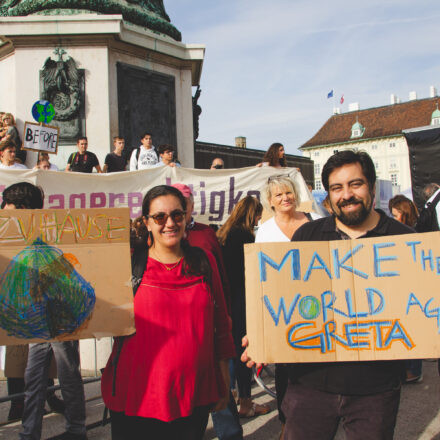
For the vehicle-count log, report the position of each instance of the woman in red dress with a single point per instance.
(162, 381)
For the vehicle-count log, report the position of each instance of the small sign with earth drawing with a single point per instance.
(39, 137)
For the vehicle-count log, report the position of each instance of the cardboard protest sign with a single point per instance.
(39, 137)
(64, 274)
(348, 300)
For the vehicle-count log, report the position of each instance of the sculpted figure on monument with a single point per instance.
(61, 85)
(146, 13)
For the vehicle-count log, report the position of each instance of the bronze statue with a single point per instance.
(146, 13)
(61, 85)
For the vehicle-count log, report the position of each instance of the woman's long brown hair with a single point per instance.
(243, 216)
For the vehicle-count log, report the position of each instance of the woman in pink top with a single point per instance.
(162, 381)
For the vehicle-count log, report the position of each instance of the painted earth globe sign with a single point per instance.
(43, 111)
(42, 295)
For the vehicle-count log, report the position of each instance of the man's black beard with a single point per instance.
(353, 218)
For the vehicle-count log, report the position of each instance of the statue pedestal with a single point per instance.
(135, 80)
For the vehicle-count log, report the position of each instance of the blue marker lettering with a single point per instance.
(378, 330)
(297, 343)
(350, 308)
(339, 264)
(295, 266)
(413, 245)
(281, 308)
(370, 296)
(316, 256)
(351, 330)
(429, 258)
(396, 333)
(378, 259)
(433, 313)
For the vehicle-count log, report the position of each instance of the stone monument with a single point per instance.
(109, 67)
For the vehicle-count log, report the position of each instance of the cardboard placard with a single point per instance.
(348, 300)
(40, 137)
(64, 275)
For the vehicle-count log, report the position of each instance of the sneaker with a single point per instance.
(413, 379)
(55, 404)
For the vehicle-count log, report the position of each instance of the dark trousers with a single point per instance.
(141, 428)
(315, 415)
(243, 374)
(281, 383)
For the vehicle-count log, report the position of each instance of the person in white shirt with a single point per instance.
(145, 156)
(7, 156)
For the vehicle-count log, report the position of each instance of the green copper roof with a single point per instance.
(150, 14)
(357, 126)
(435, 114)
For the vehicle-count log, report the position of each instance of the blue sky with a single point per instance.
(269, 64)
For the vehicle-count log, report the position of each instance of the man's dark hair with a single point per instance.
(115, 138)
(7, 143)
(346, 157)
(429, 190)
(82, 138)
(23, 195)
(161, 149)
(146, 133)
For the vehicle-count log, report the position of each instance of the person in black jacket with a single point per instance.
(238, 230)
(364, 396)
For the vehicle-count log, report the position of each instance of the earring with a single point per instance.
(149, 239)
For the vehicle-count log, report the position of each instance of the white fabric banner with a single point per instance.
(216, 192)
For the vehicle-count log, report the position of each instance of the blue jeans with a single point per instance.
(227, 422)
(72, 388)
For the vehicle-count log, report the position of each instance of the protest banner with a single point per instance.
(39, 137)
(215, 192)
(64, 274)
(348, 300)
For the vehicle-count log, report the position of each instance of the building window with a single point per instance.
(376, 165)
(392, 145)
(435, 121)
(374, 147)
(335, 151)
(316, 153)
(317, 168)
(318, 185)
(393, 165)
(393, 178)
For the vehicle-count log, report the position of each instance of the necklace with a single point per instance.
(164, 265)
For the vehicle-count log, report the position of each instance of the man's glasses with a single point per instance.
(161, 218)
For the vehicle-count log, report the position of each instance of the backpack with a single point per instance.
(427, 220)
(138, 152)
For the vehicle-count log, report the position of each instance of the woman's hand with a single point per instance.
(223, 402)
(245, 357)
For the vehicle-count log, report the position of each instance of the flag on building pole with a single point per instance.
(342, 99)
(330, 94)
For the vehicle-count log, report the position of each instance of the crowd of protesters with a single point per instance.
(164, 385)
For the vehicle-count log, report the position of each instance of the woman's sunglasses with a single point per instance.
(161, 218)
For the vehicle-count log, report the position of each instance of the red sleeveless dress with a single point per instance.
(170, 365)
